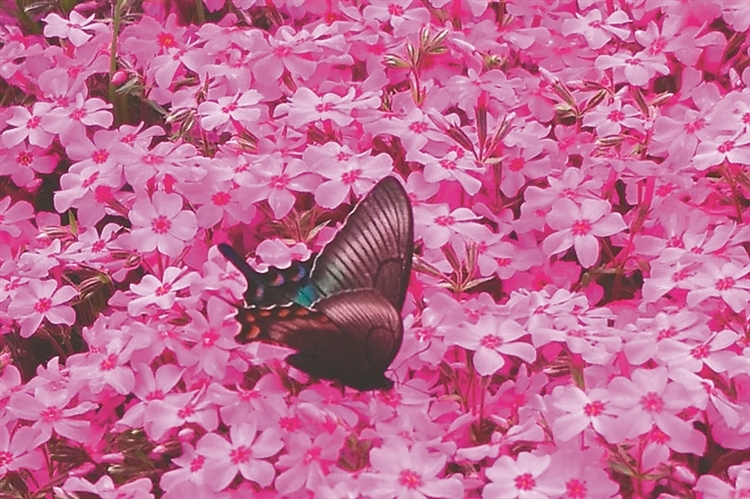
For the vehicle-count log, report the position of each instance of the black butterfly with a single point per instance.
(345, 316)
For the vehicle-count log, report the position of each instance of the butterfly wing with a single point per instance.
(373, 250)
(273, 287)
(351, 337)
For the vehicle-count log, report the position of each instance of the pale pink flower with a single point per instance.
(579, 226)
(714, 151)
(244, 454)
(73, 30)
(436, 224)
(582, 410)
(241, 108)
(39, 300)
(10, 216)
(491, 339)
(610, 119)
(520, 478)
(161, 223)
(71, 121)
(596, 31)
(275, 180)
(177, 409)
(405, 16)
(727, 281)
(455, 165)
(162, 293)
(408, 473)
(308, 460)
(636, 69)
(18, 450)
(23, 161)
(105, 488)
(28, 125)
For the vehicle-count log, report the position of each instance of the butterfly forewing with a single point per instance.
(374, 248)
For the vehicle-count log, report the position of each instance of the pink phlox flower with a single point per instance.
(345, 171)
(219, 274)
(456, 165)
(162, 293)
(105, 488)
(308, 460)
(241, 108)
(28, 126)
(278, 253)
(671, 324)
(408, 472)
(161, 223)
(287, 50)
(649, 399)
(581, 410)
(70, 122)
(22, 162)
(38, 300)
(637, 69)
(713, 487)
(521, 478)
(436, 224)
(521, 164)
(307, 107)
(673, 37)
(418, 189)
(581, 473)
(149, 386)
(244, 453)
(433, 334)
(48, 410)
(74, 29)
(218, 202)
(89, 188)
(176, 161)
(275, 179)
(18, 450)
(164, 67)
(150, 37)
(491, 339)
(610, 119)
(191, 469)
(494, 83)
(728, 281)
(266, 400)
(10, 216)
(579, 226)
(596, 31)
(716, 150)
(714, 350)
(105, 366)
(212, 341)
(324, 405)
(177, 409)
(403, 17)
(415, 129)
(90, 246)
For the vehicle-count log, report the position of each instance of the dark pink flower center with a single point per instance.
(491, 341)
(24, 158)
(700, 352)
(725, 283)
(666, 333)
(279, 181)
(323, 107)
(410, 479)
(165, 40)
(525, 481)
(43, 305)
(50, 414)
(161, 224)
(448, 164)
(108, 363)
(229, 108)
(240, 455)
(312, 455)
(576, 489)
(155, 395)
(90, 180)
(395, 10)
(186, 412)
(197, 463)
(517, 164)
(290, 424)
(595, 408)
(726, 146)
(616, 116)
(103, 194)
(695, 125)
(220, 198)
(33, 122)
(581, 227)
(78, 114)
(652, 402)
(100, 156)
(163, 290)
(445, 220)
(418, 127)
(348, 178)
(5, 458)
(210, 337)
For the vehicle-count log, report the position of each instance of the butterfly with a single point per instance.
(344, 319)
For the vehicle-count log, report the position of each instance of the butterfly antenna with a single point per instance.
(230, 254)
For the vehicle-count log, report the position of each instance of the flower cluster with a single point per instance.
(577, 322)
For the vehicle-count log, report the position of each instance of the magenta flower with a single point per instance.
(610, 119)
(583, 410)
(649, 400)
(28, 125)
(213, 340)
(177, 409)
(241, 108)
(306, 107)
(243, 454)
(11, 216)
(308, 460)
(288, 50)
(73, 30)
(408, 473)
(275, 179)
(596, 31)
(579, 226)
(727, 281)
(39, 300)
(23, 162)
(436, 224)
(162, 293)
(714, 151)
(521, 478)
(18, 450)
(456, 165)
(70, 122)
(161, 223)
(105, 488)
(491, 339)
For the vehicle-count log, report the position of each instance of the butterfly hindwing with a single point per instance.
(373, 249)
(269, 288)
(351, 337)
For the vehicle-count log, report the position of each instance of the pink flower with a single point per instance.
(521, 478)
(346, 172)
(596, 31)
(11, 216)
(70, 122)
(401, 14)
(243, 454)
(73, 30)
(436, 224)
(177, 409)
(404, 472)
(160, 223)
(610, 119)
(289, 50)
(241, 108)
(23, 161)
(583, 410)
(726, 281)
(213, 340)
(649, 400)
(28, 125)
(105, 488)
(456, 165)
(308, 460)
(579, 226)
(18, 450)
(306, 107)
(714, 151)
(162, 293)
(637, 69)
(274, 180)
(492, 338)
(39, 300)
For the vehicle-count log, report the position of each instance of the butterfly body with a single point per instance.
(344, 319)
